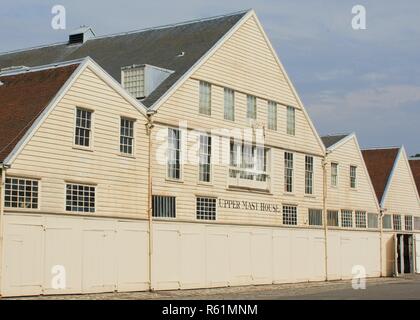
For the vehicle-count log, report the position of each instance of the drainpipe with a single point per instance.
(381, 215)
(3, 181)
(149, 127)
(324, 209)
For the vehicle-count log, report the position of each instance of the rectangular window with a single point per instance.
(387, 221)
(174, 154)
(288, 172)
(360, 219)
(205, 98)
(251, 110)
(229, 104)
(315, 217)
(332, 216)
(272, 115)
(291, 121)
(206, 208)
(353, 176)
(309, 173)
(416, 223)
(396, 221)
(83, 127)
(80, 198)
(290, 215)
(21, 193)
(163, 207)
(126, 136)
(347, 218)
(408, 223)
(248, 162)
(205, 158)
(334, 174)
(133, 81)
(373, 220)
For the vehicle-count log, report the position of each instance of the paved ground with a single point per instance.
(379, 288)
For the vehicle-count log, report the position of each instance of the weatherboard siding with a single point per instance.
(402, 197)
(50, 155)
(343, 197)
(250, 68)
(245, 64)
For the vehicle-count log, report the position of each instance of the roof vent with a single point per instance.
(81, 35)
(141, 80)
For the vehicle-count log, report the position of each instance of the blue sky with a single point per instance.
(366, 81)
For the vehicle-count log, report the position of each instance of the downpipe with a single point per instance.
(149, 127)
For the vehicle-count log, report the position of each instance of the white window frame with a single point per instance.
(389, 220)
(133, 140)
(334, 185)
(309, 175)
(333, 215)
(78, 185)
(408, 218)
(396, 222)
(290, 215)
(287, 173)
(272, 115)
(203, 216)
(204, 98)
(205, 154)
(375, 217)
(168, 177)
(226, 92)
(346, 217)
(21, 186)
(137, 91)
(251, 102)
(315, 215)
(246, 169)
(360, 219)
(291, 121)
(91, 133)
(353, 177)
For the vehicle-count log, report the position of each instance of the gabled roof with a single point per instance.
(23, 98)
(160, 46)
(331, 140)
(28, 95)
(415, 168)
(380, 164)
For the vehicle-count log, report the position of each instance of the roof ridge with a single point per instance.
(177, 24)
(381, 148)
(41, 67)
(160, 27)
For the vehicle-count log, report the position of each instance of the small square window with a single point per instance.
(206, 208)
(290, 215)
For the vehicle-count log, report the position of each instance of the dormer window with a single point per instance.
(141, 80)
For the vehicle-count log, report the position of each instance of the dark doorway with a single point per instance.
(405, 253)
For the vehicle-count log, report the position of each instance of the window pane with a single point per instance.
(309, 173)
(408, 223)
(133, 81)
(83, 127)
(288, 172)
(80, 198)
(174, 154)
(163, 207)
(206, 208)
(360, 217)
(126, 136)
(353, 172)
(373, 220)
(229, 104)
(290, 215)
(315, 217)
(21, 193)
(332, 217)
(205, 158)
(387, 221)
(347, 218)
(272, 115)
(334, 174)
(205, 98)
(396, 220)
(251, 112)
(291, 125)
